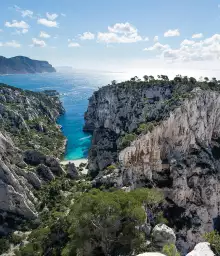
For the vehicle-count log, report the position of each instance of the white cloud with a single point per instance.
(20, 32)
(1, 44)
(114, 38)
(87, 36)
(12, 43)
(17, 24)
(156, 38)
(72, 44)
(1, 30)
(120, 33)
(44, 34)
(158, 47)
(63, 14)
(172, 33)
(208, 49)
(48, 23)
(200, 35)
(51, 16)
(146, 39)
(24, 13)
(123, 28)
(38, 43)
(187, 42)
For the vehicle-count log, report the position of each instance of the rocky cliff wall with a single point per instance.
(180, 155)
(28, 131)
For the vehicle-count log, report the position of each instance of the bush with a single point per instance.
(214, 239)
(126, 140)
(145, 128)
(111, 167)
(16, 239)
(4, 245)
(170, 250)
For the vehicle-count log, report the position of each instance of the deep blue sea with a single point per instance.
(75, 88)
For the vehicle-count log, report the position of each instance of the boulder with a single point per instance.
(33, 179)
(72, 171)
(54, 165)
(45, 173)
(34, 157)
(201, 249)
(163, 235)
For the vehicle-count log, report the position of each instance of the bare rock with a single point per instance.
(45, 173)
(72, 171)
(201, 249)
(163, 235)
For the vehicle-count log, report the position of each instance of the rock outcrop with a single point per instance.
(180, 154)
(201, 249)
(22, 168)
(163, 235)
(24, 65)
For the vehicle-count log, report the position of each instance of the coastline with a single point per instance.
(77, 162)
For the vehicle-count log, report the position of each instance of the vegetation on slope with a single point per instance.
(84, 221)
(30, 119)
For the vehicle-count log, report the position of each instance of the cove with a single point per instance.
(75, 89)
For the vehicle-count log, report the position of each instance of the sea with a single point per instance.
(75, 88)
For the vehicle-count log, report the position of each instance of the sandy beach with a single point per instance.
(76, 162)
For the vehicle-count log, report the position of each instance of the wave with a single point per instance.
(85, 138)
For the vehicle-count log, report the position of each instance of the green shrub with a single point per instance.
(16, 239)
(214, 239)
(126, 140)
(111, 167)
(107, 221)
(4, 245)
(145, 128)
(170, 250)
(160, 219)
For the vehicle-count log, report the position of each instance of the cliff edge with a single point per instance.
(24, 65)
(162, 134)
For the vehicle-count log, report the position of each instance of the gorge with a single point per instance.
(154, 161)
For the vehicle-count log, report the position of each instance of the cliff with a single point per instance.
(30, 141)
(24, 65)
(165, 135)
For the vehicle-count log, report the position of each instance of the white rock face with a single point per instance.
(15, 193)
(201, 249)
(198, 119)
(163, 235)
(193, 184)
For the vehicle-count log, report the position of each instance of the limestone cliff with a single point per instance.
(28, 135)
(24, 65)
(180, 154)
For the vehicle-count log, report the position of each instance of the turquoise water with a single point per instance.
(75, 89)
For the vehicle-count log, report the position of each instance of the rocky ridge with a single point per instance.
(24, 65)
(28, 133)
(179, 154)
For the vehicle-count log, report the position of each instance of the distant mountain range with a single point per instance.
(24, 65)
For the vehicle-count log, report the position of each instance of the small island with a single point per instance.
(24, 65)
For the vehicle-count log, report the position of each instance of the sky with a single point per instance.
(114, 35)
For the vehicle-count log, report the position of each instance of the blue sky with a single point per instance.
(110, 34)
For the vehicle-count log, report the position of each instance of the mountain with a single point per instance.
(24, 65)
(162, 134)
